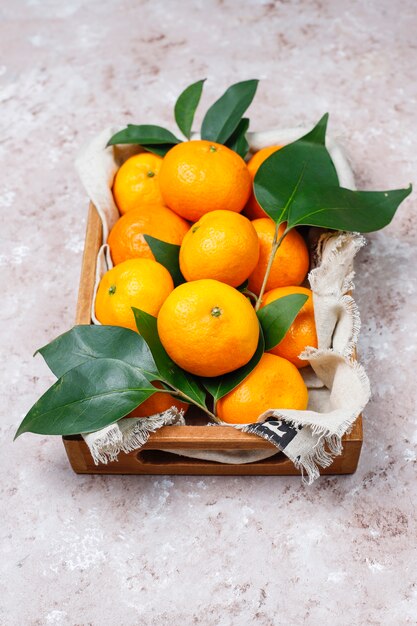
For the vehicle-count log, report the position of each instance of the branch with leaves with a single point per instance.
(298, 185)
(223, 123)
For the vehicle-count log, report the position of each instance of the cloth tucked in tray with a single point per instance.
(338, 386)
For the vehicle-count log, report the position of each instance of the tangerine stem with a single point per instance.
(275, 245)
(182, 395)
(246, 292)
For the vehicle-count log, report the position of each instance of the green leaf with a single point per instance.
(160, 149)
(169, 371)
(167, 254)
(88, 398)
(186, 106)
(144, 135)
(88, 343)
(299, 185)
(289, 173)
(342, 209)
(219, 386)
(277, 316)
(318, 133)
(225, 114)
(237, 141)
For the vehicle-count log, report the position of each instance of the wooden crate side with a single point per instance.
(149, 461)
(93, 239)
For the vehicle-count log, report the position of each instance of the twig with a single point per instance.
(180, 394)
(275, 245)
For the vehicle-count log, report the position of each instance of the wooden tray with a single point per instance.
(195, 436)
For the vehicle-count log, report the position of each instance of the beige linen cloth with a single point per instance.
(338, 385)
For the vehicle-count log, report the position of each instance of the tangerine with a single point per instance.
(158, 403)
(126, 238)
(141, 283)
(137, 182)
(222, 245)
(274, 383)
(253, 209)
(291, 261)
(199, 176)
(208, 328)
(302, 332)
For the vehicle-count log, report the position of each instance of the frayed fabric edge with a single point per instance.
(349, 304)
(129, 434)
(106, 447)
(323, 265)
(308, 464)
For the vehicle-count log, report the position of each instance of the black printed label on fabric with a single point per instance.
(276, 431)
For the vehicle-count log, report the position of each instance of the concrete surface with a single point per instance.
(205, 551)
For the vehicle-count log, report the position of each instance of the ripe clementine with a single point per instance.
(302, 332)
(208, 328)
(274, 383)
(291, 261)
(126, 238)
(141, 283)
(201, 176)
(137, 182)
(253, 210)
(222, 245)
(158, 403)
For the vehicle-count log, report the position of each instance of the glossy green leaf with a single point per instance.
(342, 209)
(223, 117)
(159, 149)
(277, 316)
(289, 173)
(219, 386)
(237, 141)
(143, 135)
(169, 371)
(299, 185)
(88, 343)
(87, 398)
(167, 254)
(186, 105)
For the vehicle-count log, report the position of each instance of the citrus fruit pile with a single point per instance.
(199, 198)
(209, 267)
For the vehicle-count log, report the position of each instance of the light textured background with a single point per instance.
(204, 551)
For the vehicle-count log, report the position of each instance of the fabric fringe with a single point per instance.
(129, 435)
(145, 426)
(326, 260)
(363, 377)
(106, 447)
(327, 448)
(309, 463)
(323, 453)
(322, 431)
(348, 284)
(350, 306)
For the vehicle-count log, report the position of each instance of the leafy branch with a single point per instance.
(223, 122)
(298, 185)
